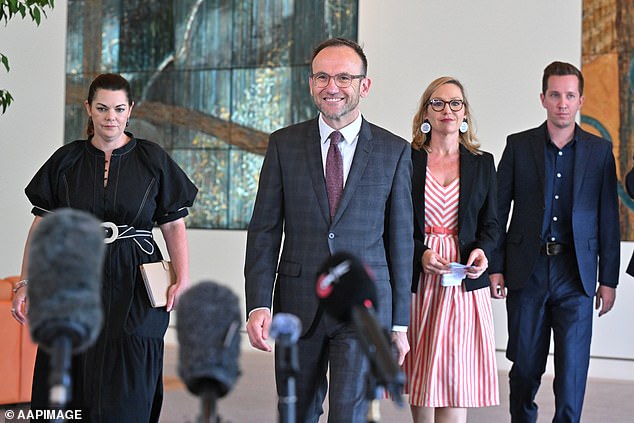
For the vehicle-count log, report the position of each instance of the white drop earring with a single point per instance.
(425, 128)
(464, 126)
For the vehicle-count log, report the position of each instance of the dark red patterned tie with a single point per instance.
(334, 173)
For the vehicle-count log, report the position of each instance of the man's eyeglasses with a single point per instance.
(438, 105)
(342, 80)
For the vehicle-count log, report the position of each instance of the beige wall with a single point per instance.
(498, 49)
(33, 126)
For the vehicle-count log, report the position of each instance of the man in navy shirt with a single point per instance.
(564, 231)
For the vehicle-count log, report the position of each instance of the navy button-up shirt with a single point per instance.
(559, 169)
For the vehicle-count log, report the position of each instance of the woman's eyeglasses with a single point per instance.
(438, 105)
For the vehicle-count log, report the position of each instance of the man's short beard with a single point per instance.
(334, 117)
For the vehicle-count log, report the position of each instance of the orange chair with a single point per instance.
(17, 351)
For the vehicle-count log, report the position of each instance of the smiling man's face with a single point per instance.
(339, 106)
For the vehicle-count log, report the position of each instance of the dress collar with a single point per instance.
(117, 151)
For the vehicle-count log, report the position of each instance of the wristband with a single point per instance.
(20, 284)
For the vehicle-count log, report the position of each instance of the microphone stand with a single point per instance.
(59, 378)
(208, 406)
(372, 394)
(60, 336)
(384, 371)
(289, 367)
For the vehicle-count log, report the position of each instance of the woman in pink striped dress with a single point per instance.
(451, 365)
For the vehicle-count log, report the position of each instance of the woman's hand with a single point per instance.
(175, 237)
(434, 263)
(173, 294)
(477, 263)
(18, 306)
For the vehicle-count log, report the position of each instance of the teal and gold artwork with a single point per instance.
(211, 80)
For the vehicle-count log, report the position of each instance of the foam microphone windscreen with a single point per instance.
(343, 281)
(208, 322)
(64, 268)
(286, 328)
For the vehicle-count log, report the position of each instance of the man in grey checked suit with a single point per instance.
(373, 221)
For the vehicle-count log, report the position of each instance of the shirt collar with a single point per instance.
(348, 132)
(572, 142)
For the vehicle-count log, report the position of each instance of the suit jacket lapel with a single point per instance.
(359, 163)
(312, 149)
(419, 177)
(467, 179)
(583, 150)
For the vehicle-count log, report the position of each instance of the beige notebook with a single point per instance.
(158, 277)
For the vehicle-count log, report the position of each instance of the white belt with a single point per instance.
(114, 232)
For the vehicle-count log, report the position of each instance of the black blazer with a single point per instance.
(477, 210)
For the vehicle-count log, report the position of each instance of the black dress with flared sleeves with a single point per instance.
(119, 378)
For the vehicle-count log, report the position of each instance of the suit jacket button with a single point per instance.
(331, 236)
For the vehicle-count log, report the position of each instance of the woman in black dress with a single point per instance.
(132, 184)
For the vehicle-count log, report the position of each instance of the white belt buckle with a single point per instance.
(114, 229)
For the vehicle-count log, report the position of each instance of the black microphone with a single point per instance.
(208, 322)
(344, 282)
(285, 329)
(347, 291)
(64, 268)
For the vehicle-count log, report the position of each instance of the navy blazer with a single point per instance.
(373, 222)
(477, 210)
(595, 213)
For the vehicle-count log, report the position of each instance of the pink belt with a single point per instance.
(439, 230)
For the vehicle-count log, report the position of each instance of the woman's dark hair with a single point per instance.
(106, 81)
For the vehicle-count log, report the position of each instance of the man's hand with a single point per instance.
(258, 326)
(399, 339)
(497, 285)
(604, 299)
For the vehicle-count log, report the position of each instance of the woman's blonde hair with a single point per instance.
(421, 140)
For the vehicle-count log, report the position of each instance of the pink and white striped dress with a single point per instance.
(452, 357)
